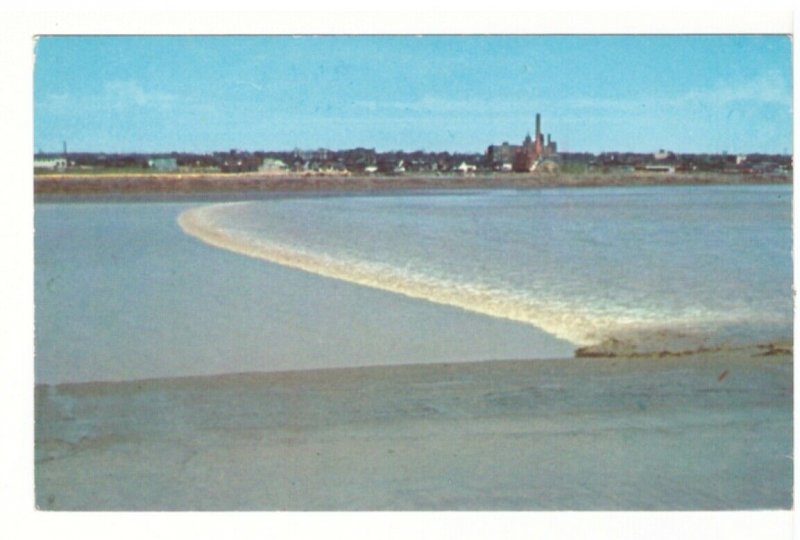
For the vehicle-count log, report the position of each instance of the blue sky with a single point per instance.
(454, 93)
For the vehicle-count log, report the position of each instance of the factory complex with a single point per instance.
(527, 157)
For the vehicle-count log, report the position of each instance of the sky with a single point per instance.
(684, 93)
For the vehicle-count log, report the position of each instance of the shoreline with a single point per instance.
(210, 183)
(777, 348)
(709, 431)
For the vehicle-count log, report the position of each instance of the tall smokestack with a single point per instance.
(538, 126)
(65, 148)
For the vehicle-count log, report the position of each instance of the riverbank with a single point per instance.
(97, 184)
(705, 431)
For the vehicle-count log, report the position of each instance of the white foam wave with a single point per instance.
(577, 324)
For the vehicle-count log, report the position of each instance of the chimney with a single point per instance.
(538, 140)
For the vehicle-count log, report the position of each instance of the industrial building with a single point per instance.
(525, 157)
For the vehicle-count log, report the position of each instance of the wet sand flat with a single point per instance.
(705, 431)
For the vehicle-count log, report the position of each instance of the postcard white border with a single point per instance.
(16, 223)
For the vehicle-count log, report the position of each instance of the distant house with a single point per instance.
(163, 164)
(272, 165)
(668, 169)
(466, 168)
(337, 167)
(235, 162)
(50, 163)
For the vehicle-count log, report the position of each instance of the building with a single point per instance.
(466, 168)
(668, 169)
(238, 162)
(163, 164)
(320, 154)
(501, 156)
(272, 165)
(528, 155)
(534, 150)
(49, 163)
(524, 157)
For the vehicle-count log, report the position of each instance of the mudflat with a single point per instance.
(703, 431)
(116, 183)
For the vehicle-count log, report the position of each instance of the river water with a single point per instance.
(136, 290)
(586, 265)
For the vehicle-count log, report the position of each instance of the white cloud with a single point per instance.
(54, 102)
(115, 96)
(124, 94)
(769, 88)
(766, 89)
(431, 104)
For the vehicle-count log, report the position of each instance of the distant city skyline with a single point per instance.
(686, 94)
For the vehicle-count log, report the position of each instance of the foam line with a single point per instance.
(580, 327)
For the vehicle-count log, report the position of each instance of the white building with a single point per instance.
(668, 169)
(50, 164)
(273, 165)
(466, 168)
